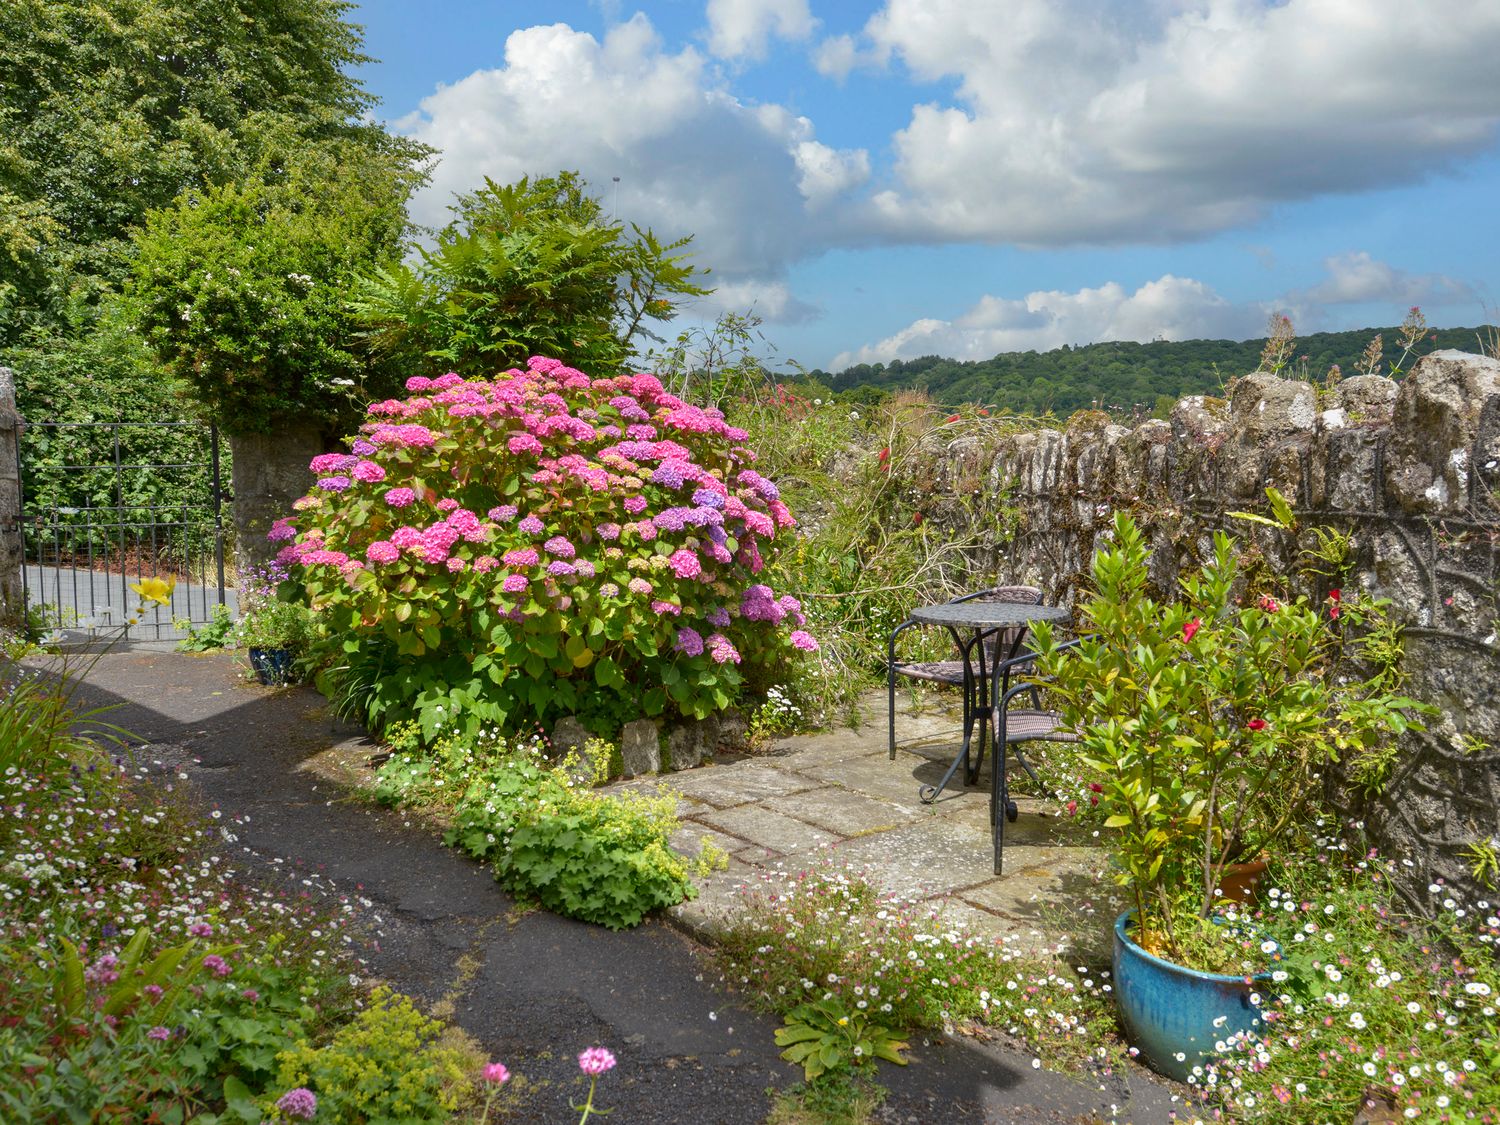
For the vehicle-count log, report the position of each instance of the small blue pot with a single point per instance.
(1169, 1011)
(272, 666)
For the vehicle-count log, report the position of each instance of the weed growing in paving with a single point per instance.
(829, 937)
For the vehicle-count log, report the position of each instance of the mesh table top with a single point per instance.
(989, 615)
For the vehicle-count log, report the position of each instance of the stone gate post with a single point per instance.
(12, 599)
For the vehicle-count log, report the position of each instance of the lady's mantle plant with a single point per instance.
(543, 544)
(1206, 724)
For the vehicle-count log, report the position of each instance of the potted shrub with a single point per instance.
(273, 632)
(1206, 725)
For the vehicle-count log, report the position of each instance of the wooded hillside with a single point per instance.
(1125, 377)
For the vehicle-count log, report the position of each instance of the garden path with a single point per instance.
(534, 988)
(836, 797)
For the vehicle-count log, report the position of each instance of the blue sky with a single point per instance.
(962, 177)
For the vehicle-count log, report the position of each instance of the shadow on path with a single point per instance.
(533, 988)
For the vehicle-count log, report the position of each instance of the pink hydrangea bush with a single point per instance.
(544, 544)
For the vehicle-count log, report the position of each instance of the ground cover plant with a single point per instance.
(539, 545)
(1371, 1002)
(548, 836)
(861, 970)
(140, 973)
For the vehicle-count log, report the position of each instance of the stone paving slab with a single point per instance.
(842, 812)
(739, 783)
(835, 798)
(773, 831)
(920, 860)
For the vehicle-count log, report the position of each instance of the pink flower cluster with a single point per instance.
(593, 492)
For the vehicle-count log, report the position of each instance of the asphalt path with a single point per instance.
(533, 988)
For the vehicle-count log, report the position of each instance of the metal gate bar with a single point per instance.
(82, 558)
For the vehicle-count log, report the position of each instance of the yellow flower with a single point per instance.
(843, 1020)
(157, 590)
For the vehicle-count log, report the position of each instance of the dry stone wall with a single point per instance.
(1410, 470)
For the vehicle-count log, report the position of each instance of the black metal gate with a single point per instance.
(107, 504)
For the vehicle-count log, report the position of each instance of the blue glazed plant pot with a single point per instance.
(1169, 1011)
(272, 666)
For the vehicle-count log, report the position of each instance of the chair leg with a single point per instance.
(890, 676)
(999, 802)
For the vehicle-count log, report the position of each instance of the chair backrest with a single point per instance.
(1002, 643)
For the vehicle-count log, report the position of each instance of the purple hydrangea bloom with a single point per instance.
(668, 474)
(560, 569)
(560, 547)
(718, 617)
(672, 519)
(362, 447)
(689, 641)
(708, 498)
(531, 526)
(503, 514)
(804, 641)
(515, 583)
(333, 484)
(400, 497)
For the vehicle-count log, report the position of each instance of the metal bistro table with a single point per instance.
(982, 619)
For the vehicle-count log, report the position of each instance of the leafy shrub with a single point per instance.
(215, 634)
(540, 545)
(599, 858)
(387, 1065)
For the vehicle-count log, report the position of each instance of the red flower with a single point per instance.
(1269, 604)
(1189, 629)
(1072, 807)
(1256, 724)
(1335, 598)
(916, 519)
(1335, 595)
(983, 413)
(953, 417)
(1095, 787)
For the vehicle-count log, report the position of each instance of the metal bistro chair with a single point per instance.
(1013, 725)
(995, 646)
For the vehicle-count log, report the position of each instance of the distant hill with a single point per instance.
(1120, 377)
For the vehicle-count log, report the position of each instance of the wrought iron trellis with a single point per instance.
(93, 527)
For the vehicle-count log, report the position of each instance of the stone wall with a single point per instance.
(1410, 470)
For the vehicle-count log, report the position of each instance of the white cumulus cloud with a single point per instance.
(1087, 121)
(1357, 278)
(750, 182)
(1169, 308)
(743, 28)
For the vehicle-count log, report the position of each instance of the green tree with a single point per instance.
(241, 288)
(111, 108)
(530, 268)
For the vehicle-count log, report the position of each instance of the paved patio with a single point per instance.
(835, 798)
